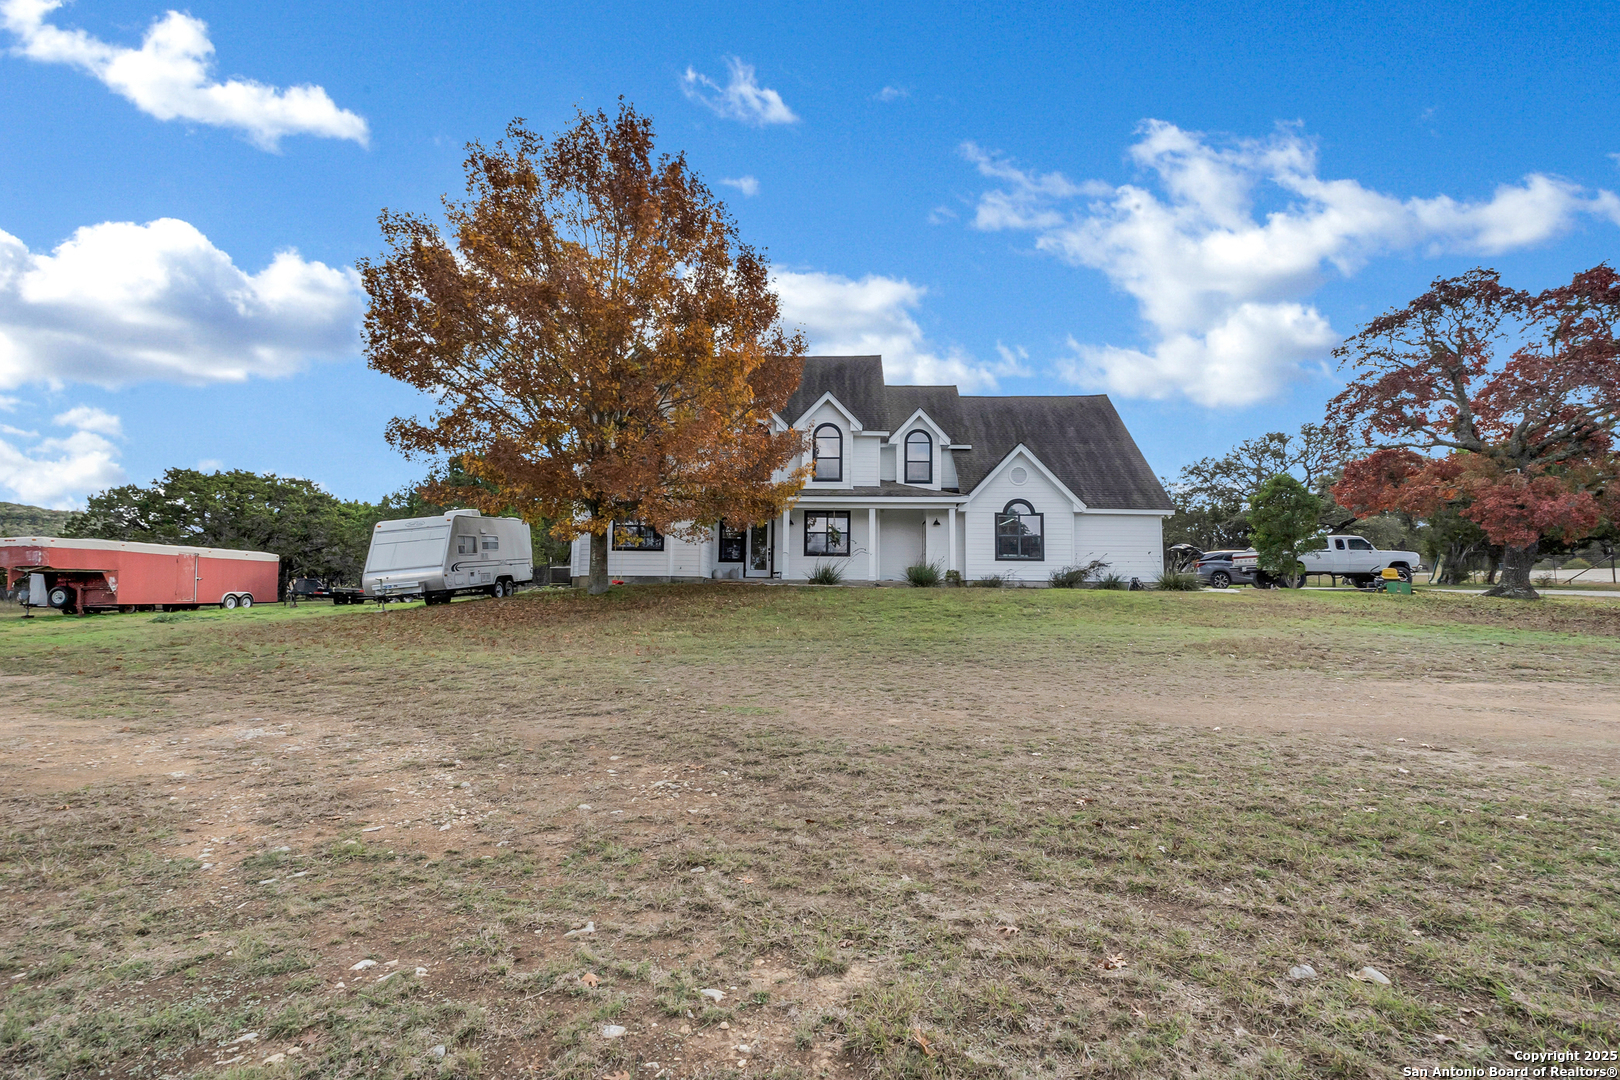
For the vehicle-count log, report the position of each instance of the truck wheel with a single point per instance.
(229, 603)
(1404, 571)
(1220, 579)
(246, 600)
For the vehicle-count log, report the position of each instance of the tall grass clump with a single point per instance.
(1109, 581)
(923, 575)
(827, 573)
(991, 581)
(1072, 577)
(1171, 581)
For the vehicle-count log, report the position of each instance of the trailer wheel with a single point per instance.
(229, 603)
(245, 600)
(60, 597)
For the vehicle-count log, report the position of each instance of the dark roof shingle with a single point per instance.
(1080, 438)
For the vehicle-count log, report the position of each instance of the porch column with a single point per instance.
(950, 545)
(871, 543)
(669, 557)
(784, 542)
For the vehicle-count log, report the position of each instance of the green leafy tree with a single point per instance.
(1212, 495)
(315, 533)
(1284, 515)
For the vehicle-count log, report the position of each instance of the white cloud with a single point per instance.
(59, 471)
(892, 93)
(120, 302)
(1223, 290)
(745, 184)
(740, 99)
(169, 77)
(842, 317)
(90, 418)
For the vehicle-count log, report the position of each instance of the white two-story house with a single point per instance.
(1010, 486)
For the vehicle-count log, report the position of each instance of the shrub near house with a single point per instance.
(909, 476)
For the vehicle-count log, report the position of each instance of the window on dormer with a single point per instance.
(919, 458)
(828, 454)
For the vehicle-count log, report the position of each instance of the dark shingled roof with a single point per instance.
(1080, 438)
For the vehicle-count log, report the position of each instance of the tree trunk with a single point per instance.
(1516, 565)
(599, 572)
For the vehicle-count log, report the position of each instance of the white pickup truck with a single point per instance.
(1350, 557)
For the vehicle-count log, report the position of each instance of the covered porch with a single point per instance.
(871, 540)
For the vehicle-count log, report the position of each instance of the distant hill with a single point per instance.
(19, 520)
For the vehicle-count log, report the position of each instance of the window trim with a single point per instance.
(720, 543)
(489, 543)
(1001, 519)
(613, 537)
(926, 440)
(808, 514)
(816, 456)
(461, 544)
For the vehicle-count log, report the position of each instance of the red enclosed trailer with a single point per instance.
(113, 575)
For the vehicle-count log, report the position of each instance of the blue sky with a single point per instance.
(1184, 207)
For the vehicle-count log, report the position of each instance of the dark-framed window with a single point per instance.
(634, 536)
(1020, 533)
(733, 542)
(826, 532)
(919, 458)
(828, 454)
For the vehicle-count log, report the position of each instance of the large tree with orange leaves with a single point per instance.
(1521, 444)
(601, 344)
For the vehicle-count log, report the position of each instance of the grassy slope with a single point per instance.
(1208, 863)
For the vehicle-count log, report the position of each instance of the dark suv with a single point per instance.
(1214, 568)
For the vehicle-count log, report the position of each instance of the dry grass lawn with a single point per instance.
(811, 832)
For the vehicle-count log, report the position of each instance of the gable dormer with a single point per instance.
(830, 429)
(920, 449)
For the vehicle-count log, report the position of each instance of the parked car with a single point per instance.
(1348, 556)
(315, 589)
(1215, 569)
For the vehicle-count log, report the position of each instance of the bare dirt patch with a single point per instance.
(900, 833)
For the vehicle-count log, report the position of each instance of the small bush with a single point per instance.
(1170, 581)
(992, 581)
(1070, 577)
(1577, 563)
(923, 575)
(827, 574)
(1110, 581)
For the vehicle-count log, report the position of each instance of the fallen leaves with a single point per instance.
(1008, 931)
(590, 979)
(922, 1042)
(1113, 963)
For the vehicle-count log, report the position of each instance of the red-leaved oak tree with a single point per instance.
(1521, 444)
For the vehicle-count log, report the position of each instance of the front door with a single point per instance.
(761, 556)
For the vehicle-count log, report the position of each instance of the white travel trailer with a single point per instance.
(437, 557)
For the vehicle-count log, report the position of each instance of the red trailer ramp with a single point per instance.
(74, 575)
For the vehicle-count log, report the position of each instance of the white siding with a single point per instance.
(801, 566)
(868, 449)
(1133, 544)
(988, 501)
(947, 469)
(900, 533)
(886, 470)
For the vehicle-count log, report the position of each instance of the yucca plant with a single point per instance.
(1170, 581)
(826, 573)
(1110, 581)
(923, 575)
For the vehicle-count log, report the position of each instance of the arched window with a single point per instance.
(1020, 533)
(828, 454)
(919, 458)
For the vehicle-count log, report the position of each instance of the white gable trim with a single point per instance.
(943, 438)
(1079, 506)
(827, 398)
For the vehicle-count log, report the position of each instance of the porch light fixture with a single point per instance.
(936, 523)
